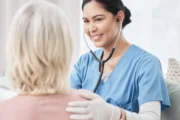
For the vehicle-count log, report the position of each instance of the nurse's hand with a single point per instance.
(93, 109)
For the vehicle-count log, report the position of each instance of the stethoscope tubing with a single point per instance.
(101, 62)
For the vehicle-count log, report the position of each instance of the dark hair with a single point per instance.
(113, 6)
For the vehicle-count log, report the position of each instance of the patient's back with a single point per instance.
(48, 107)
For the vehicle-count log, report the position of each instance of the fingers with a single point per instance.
(77, 110)
(87, 94)
(79, 104)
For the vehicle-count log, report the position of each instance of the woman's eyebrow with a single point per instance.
(94, 16)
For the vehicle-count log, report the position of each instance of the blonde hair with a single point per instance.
(40, 48)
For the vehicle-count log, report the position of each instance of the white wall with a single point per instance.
(156, 27)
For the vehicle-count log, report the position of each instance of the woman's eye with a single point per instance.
(86, 21)
(98, 19)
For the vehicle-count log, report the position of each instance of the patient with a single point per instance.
(40, 50)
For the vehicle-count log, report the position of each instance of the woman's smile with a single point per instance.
(96, 37)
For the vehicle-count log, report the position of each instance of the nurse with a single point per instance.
(132, 86)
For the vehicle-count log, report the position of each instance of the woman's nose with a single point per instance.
(92, 27)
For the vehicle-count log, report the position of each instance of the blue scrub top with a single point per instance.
(136, 79)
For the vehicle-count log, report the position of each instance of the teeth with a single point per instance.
(96, 37)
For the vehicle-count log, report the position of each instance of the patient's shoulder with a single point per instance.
(19, 107)
(75, 96)
(36, 106)
(18, 102)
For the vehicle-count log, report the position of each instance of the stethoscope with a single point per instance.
(102, 62)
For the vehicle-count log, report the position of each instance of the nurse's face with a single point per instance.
(100, 25)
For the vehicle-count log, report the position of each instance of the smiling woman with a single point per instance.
(151, 30)
(103, 21)
(131, 75)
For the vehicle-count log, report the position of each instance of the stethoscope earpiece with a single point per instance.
(117, 20)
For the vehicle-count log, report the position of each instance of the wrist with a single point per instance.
(123, 115)
(115, 113)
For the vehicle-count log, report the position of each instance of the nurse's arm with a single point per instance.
(97, 109)
(148, 111)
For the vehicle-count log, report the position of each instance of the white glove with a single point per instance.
(93, 109)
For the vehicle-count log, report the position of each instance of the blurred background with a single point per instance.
(155, 27)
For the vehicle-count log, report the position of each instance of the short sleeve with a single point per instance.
(79, 71)
(151, 82)
(76, 76)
